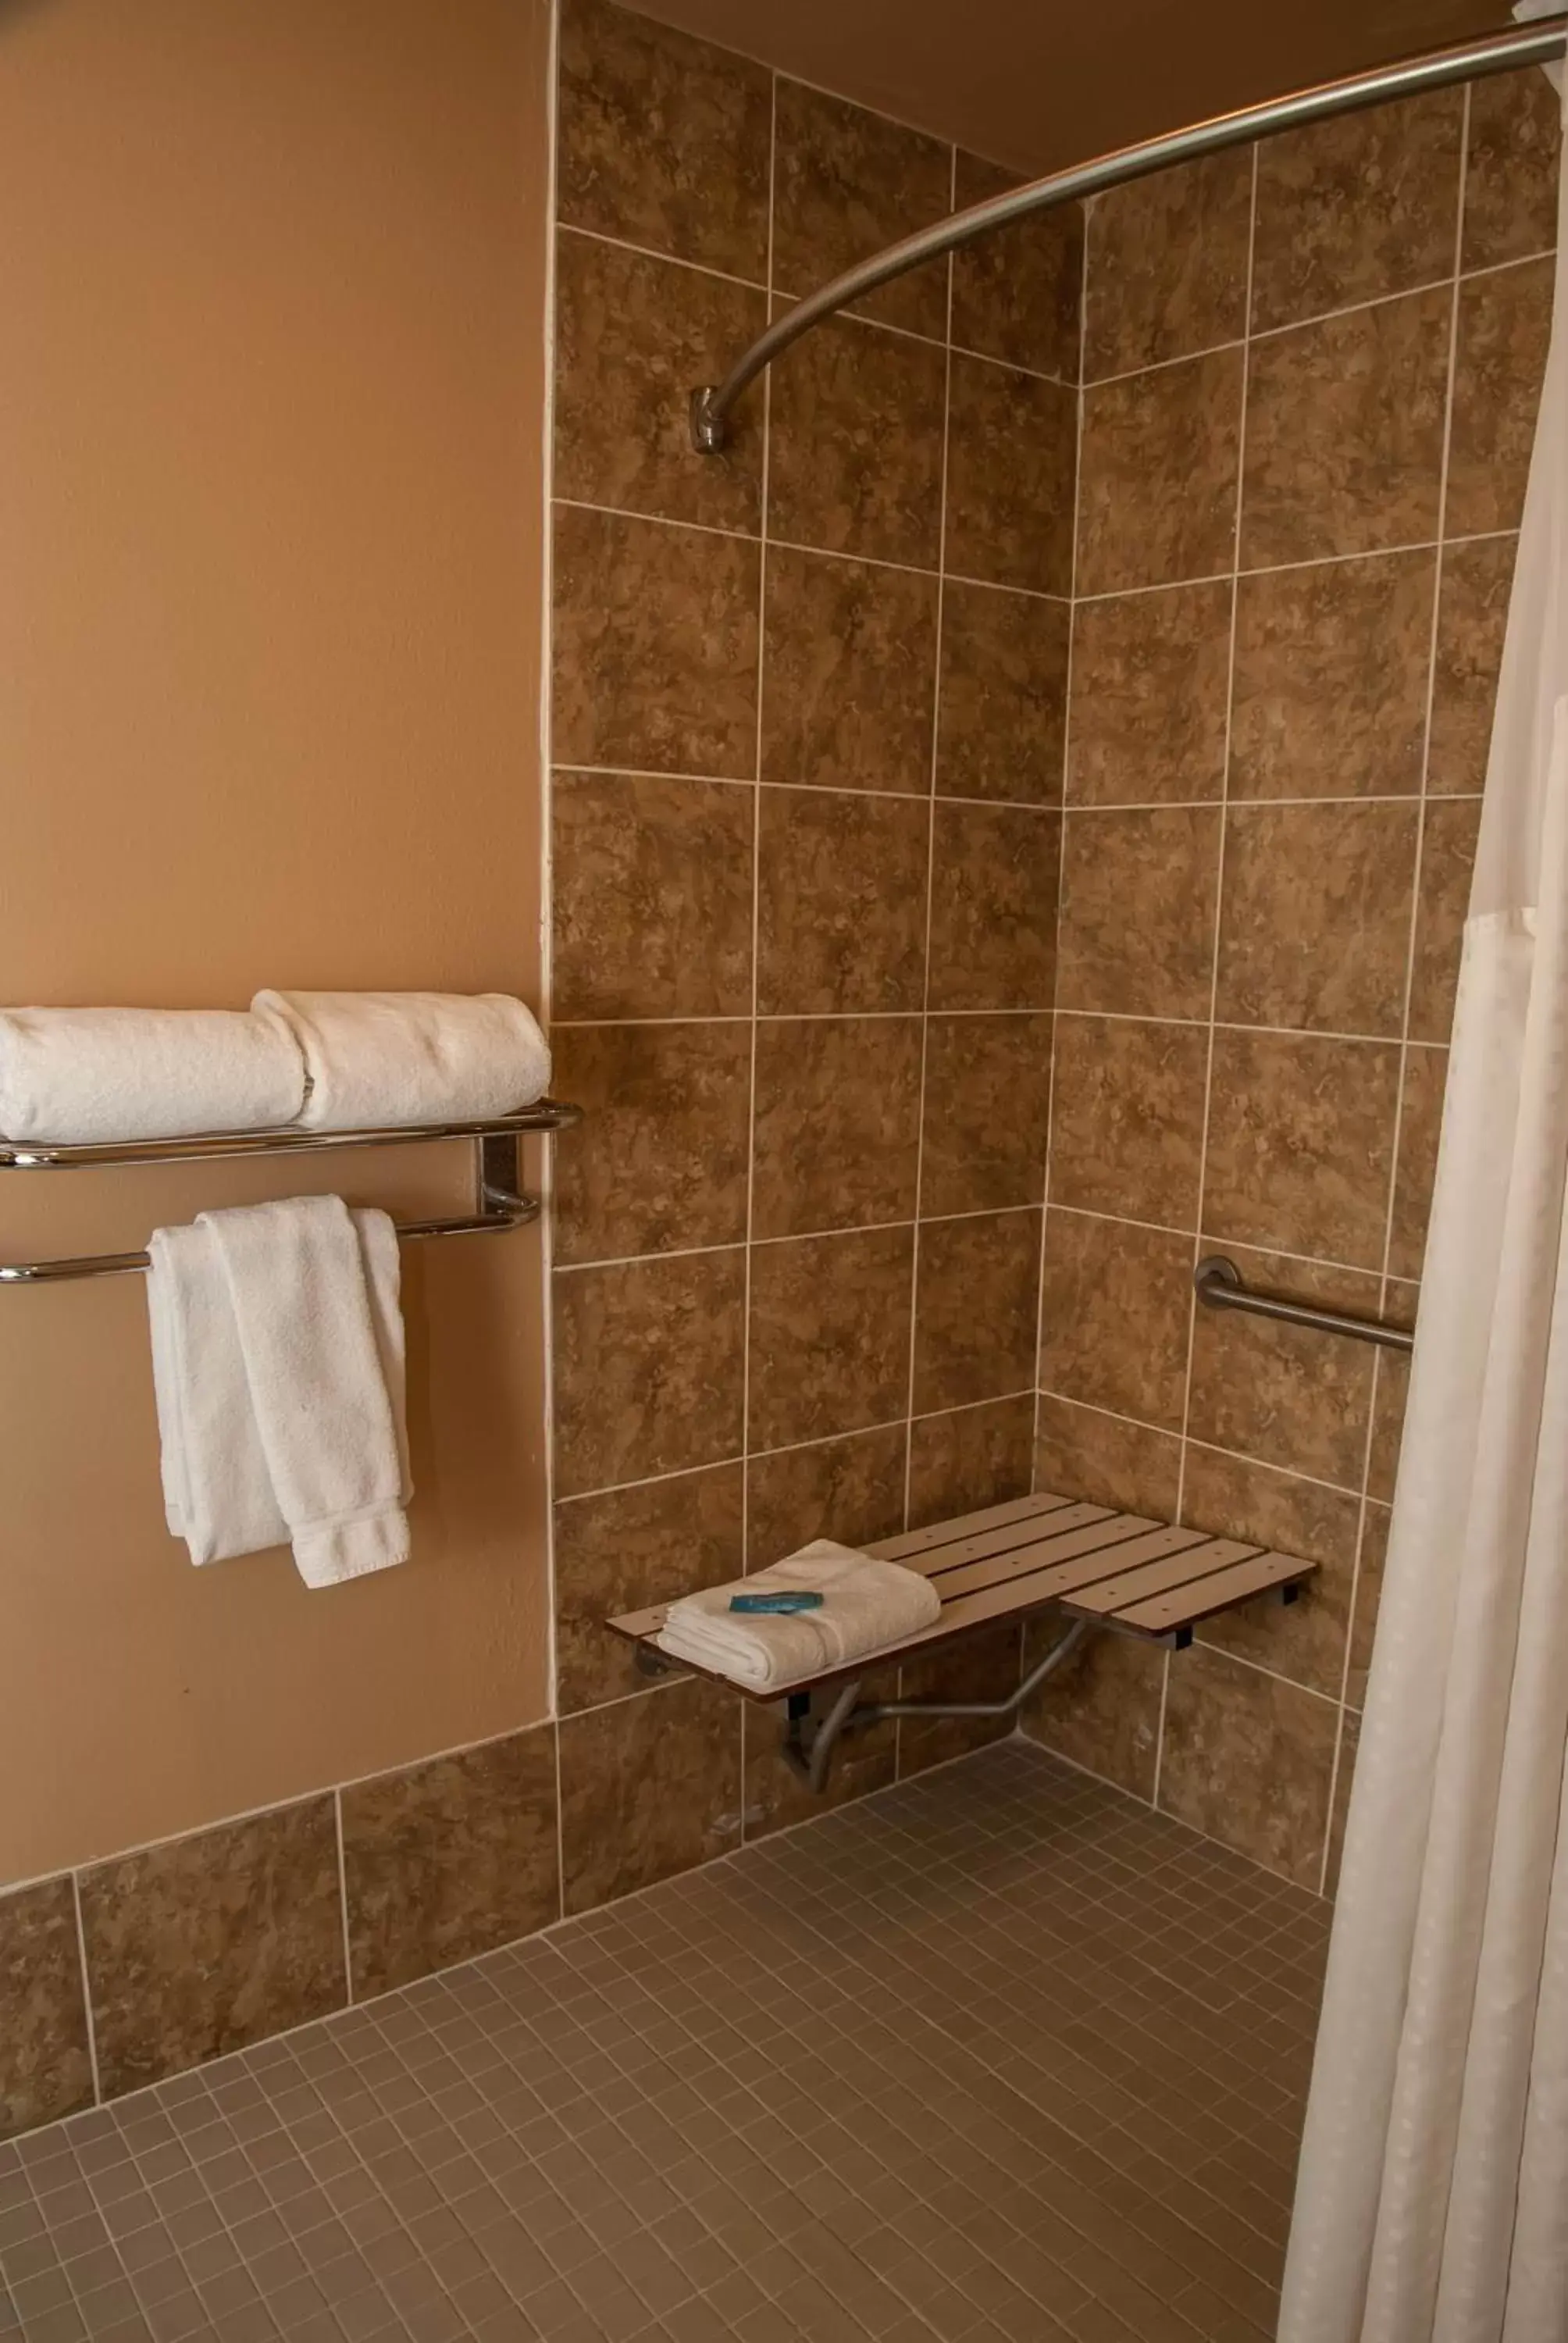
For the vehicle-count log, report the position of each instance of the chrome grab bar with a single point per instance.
(1220, 1285)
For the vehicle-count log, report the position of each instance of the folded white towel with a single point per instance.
(83, 1076)
(383, 1058)
(277, 1362)
(867, 1605)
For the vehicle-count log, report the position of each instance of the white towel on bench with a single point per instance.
(867, 1606)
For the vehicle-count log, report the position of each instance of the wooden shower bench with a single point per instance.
(1099, 1568)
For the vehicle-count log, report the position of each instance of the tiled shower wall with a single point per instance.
(1312, 374)
(808, 729)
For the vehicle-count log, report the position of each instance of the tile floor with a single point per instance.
(997, 2053)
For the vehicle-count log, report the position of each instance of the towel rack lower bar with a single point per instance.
(500, 1206)
(1220, 1286)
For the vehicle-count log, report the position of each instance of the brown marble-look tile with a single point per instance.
(977, 1294)
(46, 2068)
(1345, 433)
(649, 1786)
(1150, 678)
(449, 1859)
(841, 903)
(632, 334)
(655, 663)
(1003, 698)
(1505, 324)
(850, 1489)
(1126, 1123)
(855, 444)
(1447, 856)
(1017, 291)
(648, 1368)
(1289, 1395)
(1511, 174)
(1331, 683)
(1304, 1640)
(847, 182)
(1356, 207)
(849, 673)
(1100, 1709)
(1157, 489)
(1314, 928)
(1249, 1761)
(202, 1945)
(1471, 614)
(1168, 265)
(1012, 441)
(1389, 1405)
(777, 1797)
(651, 890)
(970, 1457)
(837, 1123)
(625, 1549)
(987, 1114)
(993, 906)
(1345, 1775)
(829, 1334)
(659, 1159)
(1138, 892)
(1116, 1301)
(650, 122)
(1369, 1596)
(1301, 1142)
(1103, 1460)
(983, 1666)
(1420, 1127)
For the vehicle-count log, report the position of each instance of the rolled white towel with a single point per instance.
(867, 1605)
(385, 1059)
(94, 1076)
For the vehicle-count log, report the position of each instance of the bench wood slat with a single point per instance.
(1223, 1589)
(1101, 1543)
(1019, 1537)
(991, 1517)
(1196, 1561)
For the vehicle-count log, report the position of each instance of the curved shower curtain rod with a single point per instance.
(1541, 44)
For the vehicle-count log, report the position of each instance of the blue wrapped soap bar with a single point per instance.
(777, 1605)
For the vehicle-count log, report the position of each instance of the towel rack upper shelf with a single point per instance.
(499, 1205)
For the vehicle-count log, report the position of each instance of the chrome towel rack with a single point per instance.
(1220, 1285)
(497, 1203)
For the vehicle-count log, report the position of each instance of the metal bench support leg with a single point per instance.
(847, 1715)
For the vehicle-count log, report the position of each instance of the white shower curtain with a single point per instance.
(1432, 2202)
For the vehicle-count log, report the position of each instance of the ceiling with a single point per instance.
(1038, 84)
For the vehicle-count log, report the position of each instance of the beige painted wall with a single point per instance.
(271, 430)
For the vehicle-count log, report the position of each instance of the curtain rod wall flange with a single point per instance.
(1541, 44)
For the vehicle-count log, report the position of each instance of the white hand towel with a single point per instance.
(867, 1605)
(85, 1076)
(274, 1415)
(384, 1059)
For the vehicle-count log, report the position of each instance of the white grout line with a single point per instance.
(1192, 1304)
(745, 1556)
(1412, 930)
(548, 1183)
(92, 2022)
(930, 889)
(1045, 1202)
(343, 1866)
